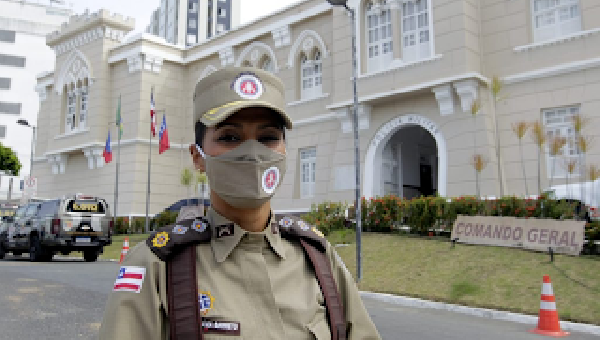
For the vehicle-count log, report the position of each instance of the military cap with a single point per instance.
(230, 89)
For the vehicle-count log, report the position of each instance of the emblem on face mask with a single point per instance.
(180, 230)
(248, 86)
(199, 226)
(270, 180)
(160, 240)
(205, 302)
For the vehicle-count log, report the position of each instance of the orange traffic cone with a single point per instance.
(548, 323)
(125, 249)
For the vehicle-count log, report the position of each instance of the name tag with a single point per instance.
(221, 327)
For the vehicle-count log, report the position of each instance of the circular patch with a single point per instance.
(270, 180)
(199, 226)
(317, 231)
(205, 302)
(303, 225)
(286, 222)
(180, 230)
(248, 86)
(160, 240)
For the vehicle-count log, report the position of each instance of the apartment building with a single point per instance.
(422, 65)
(188, 22)
(23, 55)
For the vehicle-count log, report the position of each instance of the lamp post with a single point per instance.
(357, 203)
(26, 123)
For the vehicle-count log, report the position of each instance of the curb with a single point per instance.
(479, 312)
(81, 258)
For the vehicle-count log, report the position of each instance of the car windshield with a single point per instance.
(20, 212)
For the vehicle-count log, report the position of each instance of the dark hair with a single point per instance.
(200, 130)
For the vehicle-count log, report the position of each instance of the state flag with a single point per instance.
(107, 154)
(163, 137)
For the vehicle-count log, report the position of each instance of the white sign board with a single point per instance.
(30, 189)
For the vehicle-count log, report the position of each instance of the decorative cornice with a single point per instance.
(227, 56)
(468, 91)
(87, 22)
(152, 63)
(345, 115)
(88, 37)
(299, 44)
(445, 98)
(552, 71)
(282, 36)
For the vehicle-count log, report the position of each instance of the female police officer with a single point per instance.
(251, 273)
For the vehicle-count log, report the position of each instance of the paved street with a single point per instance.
(65, 300)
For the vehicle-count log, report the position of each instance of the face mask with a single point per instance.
(247, 176)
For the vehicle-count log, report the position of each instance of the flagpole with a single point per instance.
(147, 226)
(118, 124)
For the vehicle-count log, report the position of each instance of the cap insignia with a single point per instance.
(248, 86)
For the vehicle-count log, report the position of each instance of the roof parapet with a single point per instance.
(86, 21)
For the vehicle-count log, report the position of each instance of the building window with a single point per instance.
(379, 37)
(555, 18)
(191, 39)
(311, 74)
(193, 7)
(11, 60)
(558, 122)
(220, 28)
(83, 109)
(4, 83)
(222, 12)
(267, 64)
(2, 131)
(10, 108)
(416, 30)
(71, 109)
(7, 36)
(308, 162)
(192, 23)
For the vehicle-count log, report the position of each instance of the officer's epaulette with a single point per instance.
(167, 241)
(294, 228)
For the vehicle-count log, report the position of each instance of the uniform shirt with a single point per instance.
(259, 280)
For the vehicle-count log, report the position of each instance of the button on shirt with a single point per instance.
(259, 280)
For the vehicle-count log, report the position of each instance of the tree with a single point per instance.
(520, 129)
(496, 86)
(539, 137)
(9, 162)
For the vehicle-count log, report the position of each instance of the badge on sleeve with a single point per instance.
(180, 230)
(160, 240)
(205, 302)
(225, 230)
(286, 222)
(303, 225)
(199, 226)
(130, 279)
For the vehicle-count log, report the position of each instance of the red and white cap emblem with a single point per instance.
(270, 180)
(248, 86)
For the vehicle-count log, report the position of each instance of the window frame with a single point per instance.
(379, 37)
(566, 129)
(558, 26)
(308, 162)
(419, 50)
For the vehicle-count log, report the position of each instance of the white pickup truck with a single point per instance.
(586, 194)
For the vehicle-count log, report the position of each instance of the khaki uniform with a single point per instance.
(259, 281)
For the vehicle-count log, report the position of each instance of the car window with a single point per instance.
(85, 206)
(31, 210)
(48, 208)
(20, 211)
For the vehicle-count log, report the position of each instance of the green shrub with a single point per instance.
(121, 225)
(327, 216)
(165, 218)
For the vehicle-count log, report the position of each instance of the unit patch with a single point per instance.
(130, 279)
(286, 222)
(160, 240)
(180, 230)
(199, 226)
(205, 302)
(270, 180)
(225, 230)
(303, 225)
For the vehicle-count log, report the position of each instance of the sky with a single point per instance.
(142, 9)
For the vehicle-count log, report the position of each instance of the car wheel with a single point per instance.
(2, 251)
(91, 255)
(36, 252)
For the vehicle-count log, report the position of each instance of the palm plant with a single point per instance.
(579, 123)
(539, 137)
(556, 145)
(475, 108)
(496, 87)
(593, 174)
(479, 163)
(186, 180)
(571, 165)
(520, 129)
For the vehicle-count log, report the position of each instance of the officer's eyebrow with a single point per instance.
(223, 124)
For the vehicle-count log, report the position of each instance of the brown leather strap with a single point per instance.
(182, 290)
(333, 301)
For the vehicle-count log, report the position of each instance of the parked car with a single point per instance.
(175, 207)
(75, 223)
(582, 195)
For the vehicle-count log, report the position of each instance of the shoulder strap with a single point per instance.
(182, 290)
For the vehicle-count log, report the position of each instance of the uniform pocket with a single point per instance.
(319, 328)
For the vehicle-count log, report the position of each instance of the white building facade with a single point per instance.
(188, 22)
(422, 64)
(23, 56)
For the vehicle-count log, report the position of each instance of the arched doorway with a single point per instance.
(406, 157)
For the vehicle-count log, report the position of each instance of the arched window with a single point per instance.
(306, 71)
(416, 30)
(311, 72)
(71, 123)
(83, 107)
(247, 63)
(318, 73)
(267, 64)
(380, 50)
